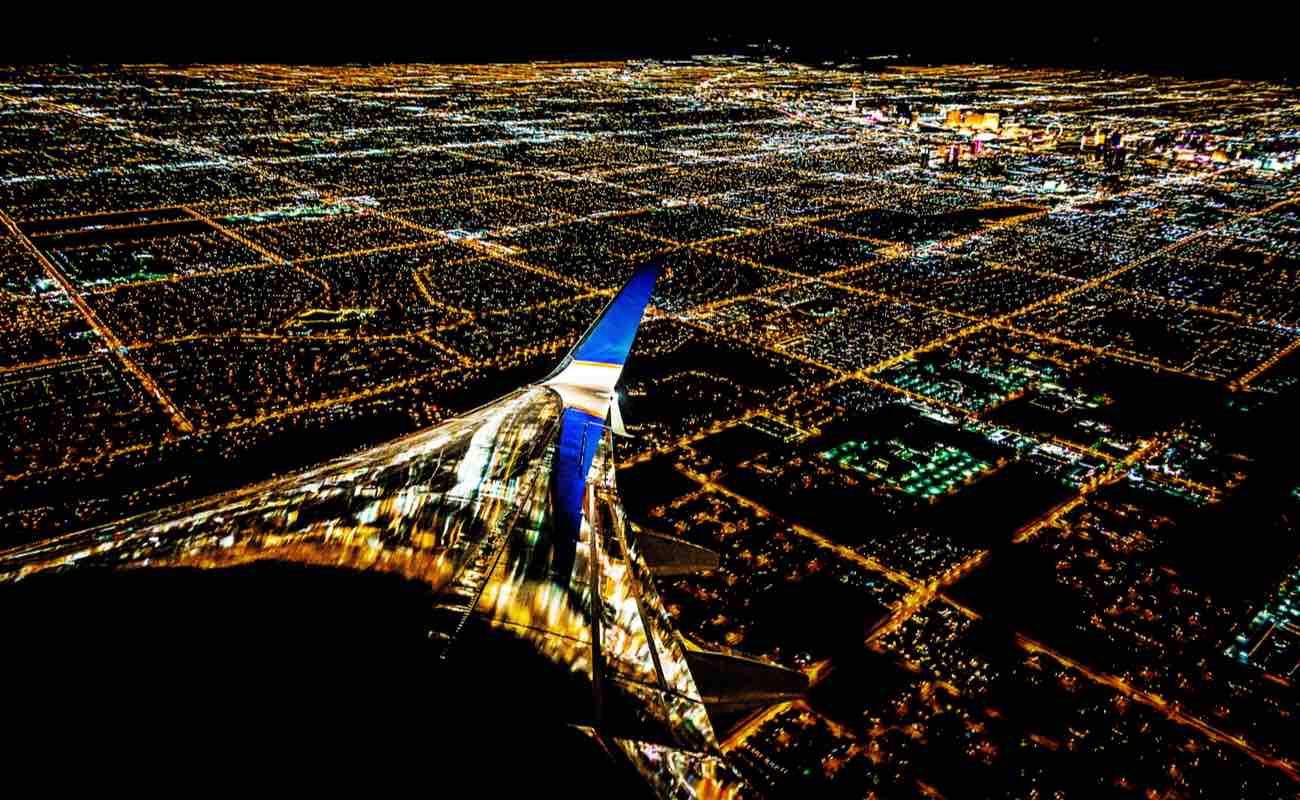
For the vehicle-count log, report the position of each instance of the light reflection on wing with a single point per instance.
(468, 508)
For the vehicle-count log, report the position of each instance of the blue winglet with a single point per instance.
(609, 339)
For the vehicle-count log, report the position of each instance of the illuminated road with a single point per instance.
(1113, 474)
(1245, 380)
(110, 340)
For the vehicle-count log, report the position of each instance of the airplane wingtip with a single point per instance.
(609, 339)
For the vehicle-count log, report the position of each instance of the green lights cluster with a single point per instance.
(920, 473)
(930, 380)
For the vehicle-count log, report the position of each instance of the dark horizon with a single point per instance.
(1177, 48)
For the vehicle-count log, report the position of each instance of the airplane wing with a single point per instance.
(541, 609)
